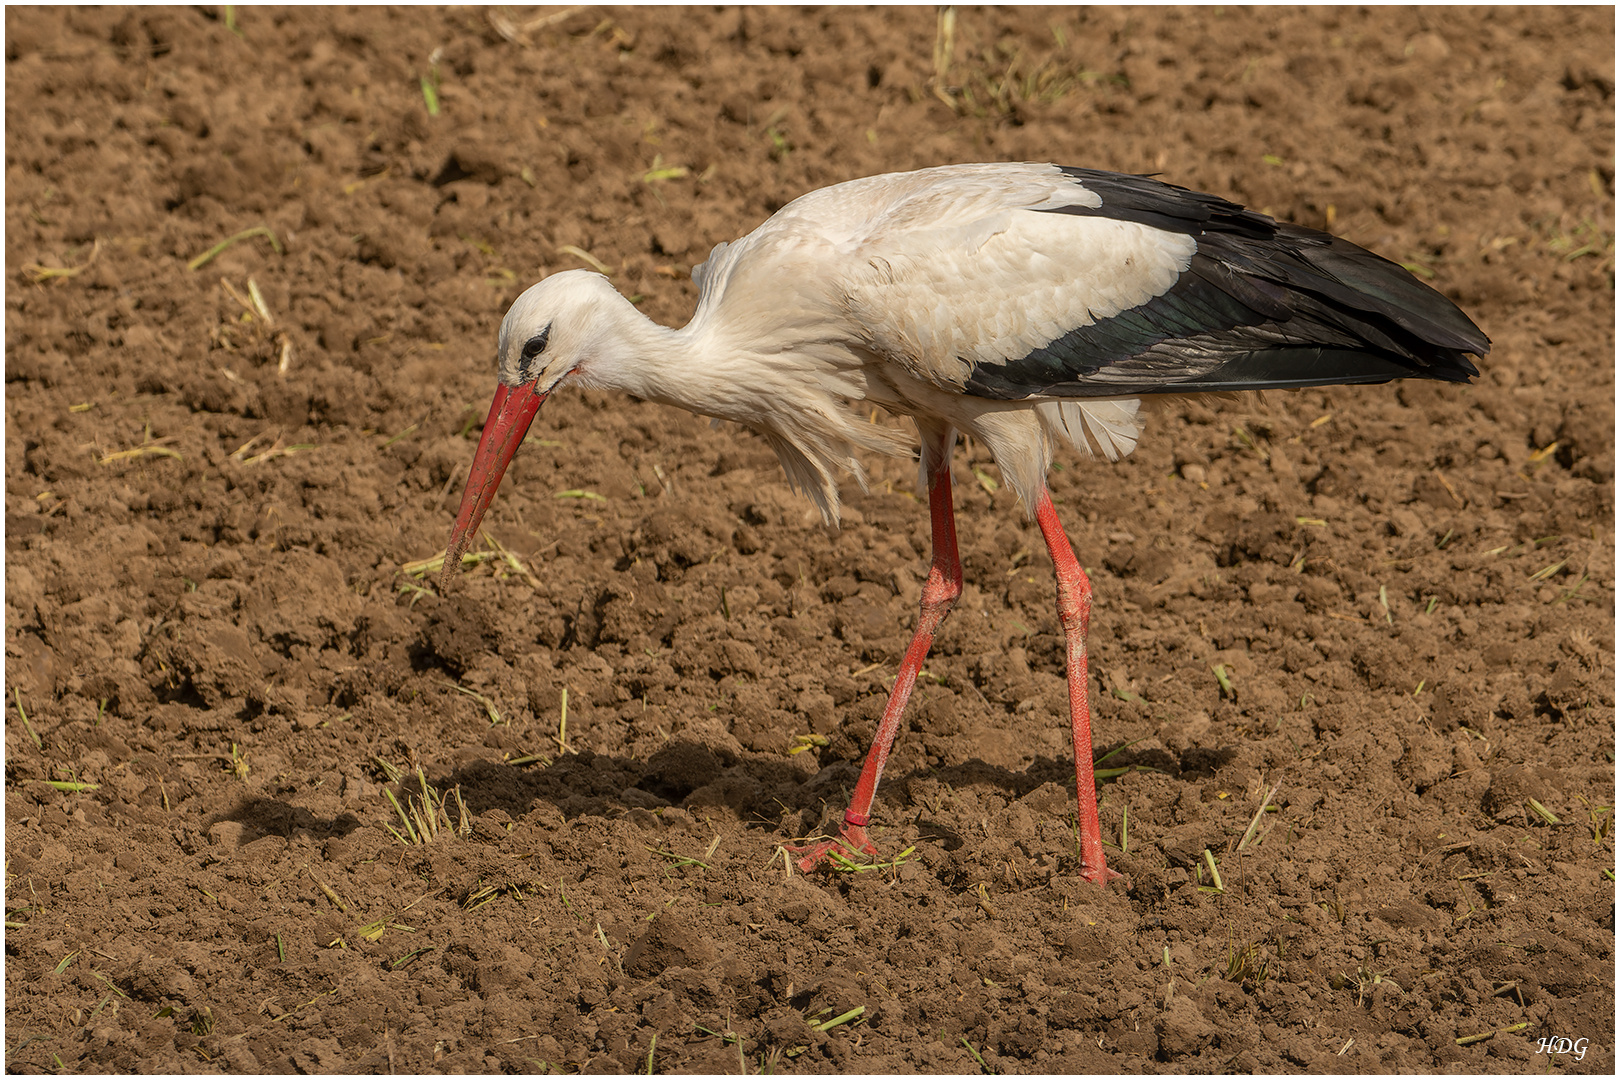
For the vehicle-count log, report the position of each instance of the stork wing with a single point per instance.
(1019, 281)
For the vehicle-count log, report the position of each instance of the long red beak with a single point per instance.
(510, 415)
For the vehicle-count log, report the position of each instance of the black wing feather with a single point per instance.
(1263, 306)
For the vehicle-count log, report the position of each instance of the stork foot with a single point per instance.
(1100, 875)
(852, 839)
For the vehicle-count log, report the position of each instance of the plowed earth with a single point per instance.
(215, 478)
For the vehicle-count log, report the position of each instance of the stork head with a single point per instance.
(547, 333)
(550, 329)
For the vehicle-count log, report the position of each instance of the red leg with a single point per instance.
(939, 594)
(1074, 612)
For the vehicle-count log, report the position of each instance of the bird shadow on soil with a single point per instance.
(272, 817)
(1195, 762)
(765, 794)
(688, 775)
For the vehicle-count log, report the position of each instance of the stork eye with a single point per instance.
(535, 345)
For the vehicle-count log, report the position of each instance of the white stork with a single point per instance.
(1026, 305)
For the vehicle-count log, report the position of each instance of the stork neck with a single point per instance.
(634, 354)
(711, 369)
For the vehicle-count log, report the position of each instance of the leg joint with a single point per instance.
(940, 592)
(1075, 615)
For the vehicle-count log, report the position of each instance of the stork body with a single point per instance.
(1025, 305)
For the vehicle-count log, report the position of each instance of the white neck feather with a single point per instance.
(628, 351)
(794, 393)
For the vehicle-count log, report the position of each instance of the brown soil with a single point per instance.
(1410, 588)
